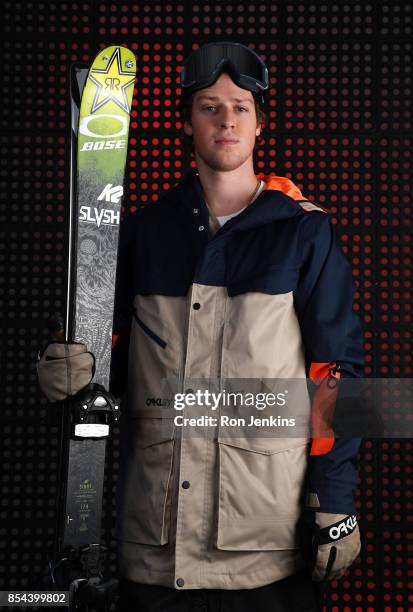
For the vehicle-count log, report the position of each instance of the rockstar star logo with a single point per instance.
(111, 84)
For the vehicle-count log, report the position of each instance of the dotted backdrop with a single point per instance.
(340, 126)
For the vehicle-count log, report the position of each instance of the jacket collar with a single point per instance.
(279, 200)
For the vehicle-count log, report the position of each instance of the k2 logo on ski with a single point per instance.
(99, 217)
(111, 194)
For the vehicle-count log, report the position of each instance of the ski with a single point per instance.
(101, 100)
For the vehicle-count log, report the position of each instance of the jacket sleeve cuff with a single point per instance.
(332, 478)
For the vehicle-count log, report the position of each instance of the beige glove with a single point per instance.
(64, 368)
(336, 544)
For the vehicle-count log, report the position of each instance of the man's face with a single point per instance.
(231, 114)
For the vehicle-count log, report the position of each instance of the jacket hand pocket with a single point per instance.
(260, 489)
(154, 355)
(144, 486)
(148, 331)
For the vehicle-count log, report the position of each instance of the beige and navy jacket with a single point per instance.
(268, 296)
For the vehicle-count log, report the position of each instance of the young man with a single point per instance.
(231, 275)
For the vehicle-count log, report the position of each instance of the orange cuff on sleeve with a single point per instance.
(325, 376)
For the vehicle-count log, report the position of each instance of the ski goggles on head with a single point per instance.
(203, 66)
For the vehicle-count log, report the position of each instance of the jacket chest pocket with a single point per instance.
(149, 332)
(156, 341)
(260, 492)
(154, 356)
(262, 337)
(144, 488)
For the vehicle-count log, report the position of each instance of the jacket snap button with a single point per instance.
(180, 582)
(195, 210)
(197, 306)
(201, 228)
(186, 484)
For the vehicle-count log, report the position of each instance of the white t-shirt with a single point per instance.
(224, 218)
